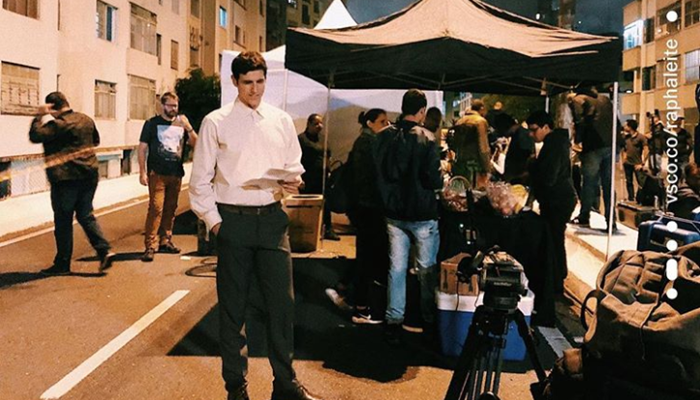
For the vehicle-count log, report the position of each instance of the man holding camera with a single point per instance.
(69, 140)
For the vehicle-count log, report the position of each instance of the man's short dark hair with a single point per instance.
(413, 101)
(633, 124)
(477, 105)
(503, 122)
(168, 95)
(311, 118)
(540, 118)
(246, 62)
(58, 100)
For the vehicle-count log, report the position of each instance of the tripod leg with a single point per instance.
(526, 333)
(463, 377)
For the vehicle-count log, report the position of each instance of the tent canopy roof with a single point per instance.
(454, 45)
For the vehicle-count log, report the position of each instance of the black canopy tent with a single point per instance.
(456, 45)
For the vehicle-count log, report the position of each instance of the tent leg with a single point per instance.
(546, 104)
(611, 215)
(326, 127)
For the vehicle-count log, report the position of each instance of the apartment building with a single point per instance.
(662, 54)
(110, 57)
(218, 25)
(292, 14)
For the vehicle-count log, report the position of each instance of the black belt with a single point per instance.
(250, 210)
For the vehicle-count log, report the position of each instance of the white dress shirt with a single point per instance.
(237, 144)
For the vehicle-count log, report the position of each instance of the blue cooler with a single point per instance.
(653, 235)
(455, 315)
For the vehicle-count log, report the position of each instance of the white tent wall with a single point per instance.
(305, 96)
(301, 96)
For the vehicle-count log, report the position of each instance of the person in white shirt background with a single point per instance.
(239, 144)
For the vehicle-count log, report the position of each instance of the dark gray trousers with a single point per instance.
(255, 246)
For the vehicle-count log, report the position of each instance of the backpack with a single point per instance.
(640, 345)
(339, 193)
(637, 330)
(652, 192)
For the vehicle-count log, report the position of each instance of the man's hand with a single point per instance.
(638, 167)
(291, 187)
(215, 229)
(45, 109)
(184, 122)
(143, 178)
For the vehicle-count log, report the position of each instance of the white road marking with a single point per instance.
(83, 370)
(555, 339)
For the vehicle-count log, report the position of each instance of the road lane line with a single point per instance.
(83, 370)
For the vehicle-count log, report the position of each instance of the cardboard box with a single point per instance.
(455, 314)
(448, 278)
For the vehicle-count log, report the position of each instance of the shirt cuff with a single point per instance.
(46, 118)
(211, 219)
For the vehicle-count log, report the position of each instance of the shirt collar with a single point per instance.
(261, 111)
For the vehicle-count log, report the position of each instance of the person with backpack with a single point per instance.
(366, 216)
(408, 177)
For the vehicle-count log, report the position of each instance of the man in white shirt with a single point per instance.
(246, 155)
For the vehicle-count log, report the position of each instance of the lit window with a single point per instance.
(633, 34)
(663, 25)
(223, 17)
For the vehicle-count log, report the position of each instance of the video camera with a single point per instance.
(501, 278)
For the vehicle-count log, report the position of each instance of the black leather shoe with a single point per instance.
(239, 394)
(55, 270)
(297, 392)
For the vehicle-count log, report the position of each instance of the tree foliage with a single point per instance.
(199, 95)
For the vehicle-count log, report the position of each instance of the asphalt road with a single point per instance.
(84, 336)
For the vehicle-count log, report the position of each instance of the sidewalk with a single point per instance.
(30, 213)
(594, 240)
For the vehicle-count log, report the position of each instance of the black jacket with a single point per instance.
(687, 201)
(408, 172)
(69, 146)
(551, 174)
(364, 174)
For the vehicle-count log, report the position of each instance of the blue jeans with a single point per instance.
(595, 164)
(424, 235)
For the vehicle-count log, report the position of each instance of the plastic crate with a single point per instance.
(455, 314)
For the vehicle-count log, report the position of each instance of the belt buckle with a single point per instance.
(258, 211)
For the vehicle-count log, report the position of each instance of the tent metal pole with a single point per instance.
(331, 82)
(284, 90)
(611, 212)
(546, 103)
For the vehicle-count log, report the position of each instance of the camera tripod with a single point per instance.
(478, 372)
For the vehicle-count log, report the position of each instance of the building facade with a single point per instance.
(112, 59)
(662, 54)
(292, 14)
(218, 25)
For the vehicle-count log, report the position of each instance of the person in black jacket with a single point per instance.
(408, 177)
(552, 185)
(367, 217)
(69, 140)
